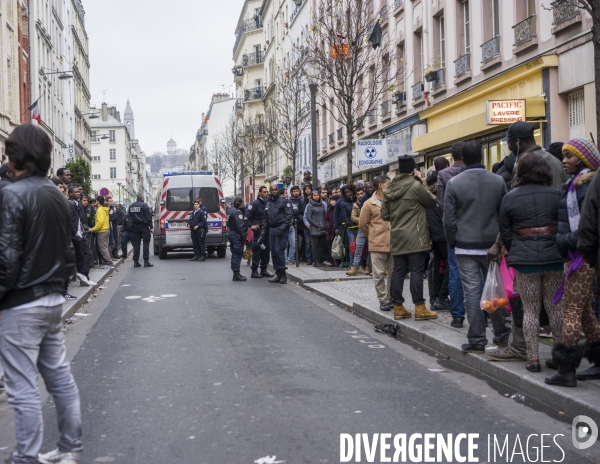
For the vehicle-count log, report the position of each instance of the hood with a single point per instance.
(399, 186)
(586, 178)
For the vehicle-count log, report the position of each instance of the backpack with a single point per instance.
(337, 248)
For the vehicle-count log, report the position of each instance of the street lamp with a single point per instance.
(312, 73)
(91, 115)
(62, 74)
(119, 184)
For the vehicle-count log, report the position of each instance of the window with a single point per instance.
(95, 158)
(418, 56)
(96, 176)
(442, 43)
(576, 114)
(111, 134)
(113, 154)
(210, 198)
(93, 136)
(467, 24)
(113, 173)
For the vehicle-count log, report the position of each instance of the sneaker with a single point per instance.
(83, 280)
(56, 457)
(327, 263)
(68, 296)
(546, 332)
(503, 355)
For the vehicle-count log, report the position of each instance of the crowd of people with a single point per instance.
(536, 209)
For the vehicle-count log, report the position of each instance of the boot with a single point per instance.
(283, 278)
(136, 264)
(255, 274)
(276, 279)
(265, 273)
(202, 258)
(423, 314)
(592, 352)
(195, 258)
(567, 358)
(237, 277)
(352, 272)
(147, 263)
(367, 271)
(400, 312)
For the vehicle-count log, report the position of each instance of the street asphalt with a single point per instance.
(185, 366)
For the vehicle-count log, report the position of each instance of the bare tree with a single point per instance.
(251, 140)
(286, 120)
(217, 159)
(354, 62)
(225, 152)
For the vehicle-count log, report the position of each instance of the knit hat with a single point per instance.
(585, 150)
(406, 164)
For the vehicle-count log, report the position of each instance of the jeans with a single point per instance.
(138, 236)
(361, 240)
(125, 239)
(351, 234)
(278, 242)
(32, 343)
(382, 261)
(471, 268)
(237, 250)
(308, 246)
(198, 240)
(259, 256)
(413, 263)
(290, 256)
(457, 298)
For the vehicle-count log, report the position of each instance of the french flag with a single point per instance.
(35, 112)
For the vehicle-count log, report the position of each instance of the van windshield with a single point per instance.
(182, 199)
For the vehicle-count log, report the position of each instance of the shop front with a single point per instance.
(484, 112)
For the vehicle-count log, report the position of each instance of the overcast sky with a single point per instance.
(167, 57)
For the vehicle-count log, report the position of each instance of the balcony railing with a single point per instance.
(255, 93)
(383, 14)
(490, 49)
(340, 133)
(525, 31)
(385, 108)
(441, 79)
(398, 4)
(239, 105)
(462, 65)
(303, 109)
(372, 117)
(295, 12)
(417, 90)
(323, 143)
(247, 25)
(252, 58)
(238, 71)
(255, 129)
(331, 139)
(563, 10)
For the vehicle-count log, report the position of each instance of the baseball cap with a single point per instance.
(520, 130)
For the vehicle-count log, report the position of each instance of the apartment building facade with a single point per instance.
(9, 68)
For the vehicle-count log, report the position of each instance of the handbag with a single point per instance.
(337, 248)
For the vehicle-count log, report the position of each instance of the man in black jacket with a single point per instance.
(142, 228)
(83, 254)
(237, 226)
(255, 214)
(197, 223)
(278, 217)
(35, 262)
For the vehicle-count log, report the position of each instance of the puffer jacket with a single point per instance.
(405, 200)
(588, 240)
(506, 168)
(36, 253)
(344, 207)
(525, 207)
(566, 239)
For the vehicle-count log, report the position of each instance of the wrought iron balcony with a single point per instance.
(462, 65)
(383, 14)
(238, 71)
(305, 108)
(398, 4)
(441, 79)
(255, 129)
(372, 117)
(490, 49)
(563, 10)
(417, 90)
(340, 133)
(385, 108)
(247, 25)
(239, 105)
(255, 93)
(295, 12)
(252, 58)
(525, 31)
(331, 139)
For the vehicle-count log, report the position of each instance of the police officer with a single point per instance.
(236, 223)
(141, 219)
(127, 235)
(197, 224)
(278, 217)
(255, 213)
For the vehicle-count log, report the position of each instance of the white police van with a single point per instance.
(174, 203)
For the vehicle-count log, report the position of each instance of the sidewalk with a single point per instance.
(358, 295)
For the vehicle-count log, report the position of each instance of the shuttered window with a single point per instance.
(576, 114)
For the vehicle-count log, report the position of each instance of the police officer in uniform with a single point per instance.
(127, 235)
(141, 219)
(278, 217)
(236, 223)
(255, 213)
(197, 226)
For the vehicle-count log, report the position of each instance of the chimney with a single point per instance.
(104, 112)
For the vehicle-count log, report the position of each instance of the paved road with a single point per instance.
(217, 372)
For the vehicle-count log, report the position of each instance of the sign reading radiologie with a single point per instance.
(370, 152)
(504, 111)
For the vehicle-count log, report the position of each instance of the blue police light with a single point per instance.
(187, 173)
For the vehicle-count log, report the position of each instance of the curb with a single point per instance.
(555, 398)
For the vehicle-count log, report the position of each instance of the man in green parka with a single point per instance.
(405, 200)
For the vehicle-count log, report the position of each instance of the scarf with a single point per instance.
(575, 258)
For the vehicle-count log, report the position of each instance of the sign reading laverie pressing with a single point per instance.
(504, 111)
(371, 152)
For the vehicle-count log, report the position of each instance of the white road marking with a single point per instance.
(133, 297)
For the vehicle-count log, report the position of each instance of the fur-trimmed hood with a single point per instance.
(585, 179)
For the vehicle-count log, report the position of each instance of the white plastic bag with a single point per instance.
(493, 296)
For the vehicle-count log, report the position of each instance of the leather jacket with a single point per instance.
(36, 253)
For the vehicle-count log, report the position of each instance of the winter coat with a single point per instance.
(471, 206)
(355, 216)
(315, 215)
(405, 200)
(329, 224)
(444, 177)
(566, 239)
(559, 177)
(526, 207)
(436, 226)
(344, 207)
(374, 227)
(507, 165)
(588, 240)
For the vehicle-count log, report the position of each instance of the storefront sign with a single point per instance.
(504, 111)
(371, 153)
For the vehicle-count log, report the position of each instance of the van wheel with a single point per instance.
(155, 250)
(162, 254)
(221, 251)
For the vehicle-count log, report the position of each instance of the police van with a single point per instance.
(174, 203)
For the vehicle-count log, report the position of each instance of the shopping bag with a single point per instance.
(337, 248)
(508, 279)
(249, 237)
(493, 296)
(353, 247)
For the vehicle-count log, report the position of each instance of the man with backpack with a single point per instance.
(127, 235)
